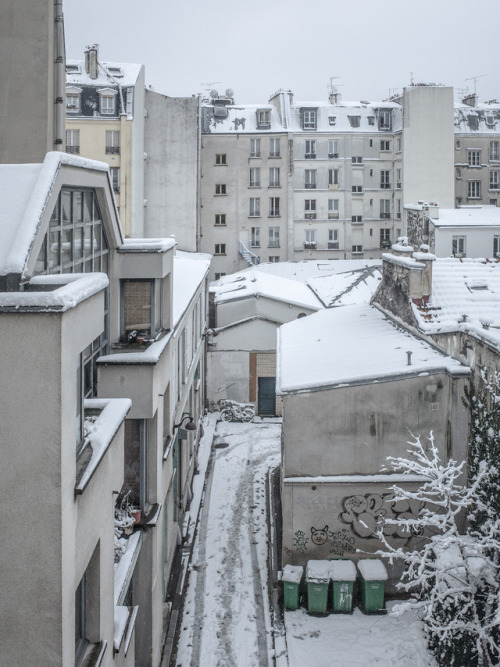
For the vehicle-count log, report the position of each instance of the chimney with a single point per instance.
(91, 61)
(470, 100)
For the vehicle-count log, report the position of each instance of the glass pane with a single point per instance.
(137, 306)
(55, 217)
(78, 245)
(77, 206)
(66, 241)
(54, 247)
(66, 206)
(87, 206)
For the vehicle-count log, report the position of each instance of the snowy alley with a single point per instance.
(227, 619)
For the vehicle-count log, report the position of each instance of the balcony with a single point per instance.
(310, 216)
(112, 150)
(385, 216)
(75, 150)
(333, 155)
(385, 186)
(333, 215)
(310, 156)
(310, 186)
(310, 245)
(333, 245)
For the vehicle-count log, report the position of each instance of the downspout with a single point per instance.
(198, 177)
(60, 78)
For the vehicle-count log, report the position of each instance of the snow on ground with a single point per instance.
(227, 620)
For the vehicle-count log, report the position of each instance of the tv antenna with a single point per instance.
(475, 78)
(209, 85)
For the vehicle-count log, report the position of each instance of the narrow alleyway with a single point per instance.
(226, 618)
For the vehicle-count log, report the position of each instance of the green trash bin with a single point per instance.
(343, 576)
(291, 577)
(318, 581)
(373, 578)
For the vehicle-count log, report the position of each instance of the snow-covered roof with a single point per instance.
(468, 216)
(482, 118)
(357, 117)
(469, 287)
(351, 345)
(148, 244)
(24, 191)
(341, 289)
(124, 74)
(253, 282)
(313, 268)
(240, 119)
(190, 270)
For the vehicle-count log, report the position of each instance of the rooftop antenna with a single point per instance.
(475, 78)
(209, 85)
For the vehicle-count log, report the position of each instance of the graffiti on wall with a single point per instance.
(363, 513)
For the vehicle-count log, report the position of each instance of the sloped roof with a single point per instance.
(469, 287)
(341, 289)
(190, 270)
(351, 345)
(483, 118)
(107, 74)
(253, 282)
(24, 191)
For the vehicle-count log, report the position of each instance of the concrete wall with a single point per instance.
(352, 430)
(428, 145)
(171, 145)
(27, 78)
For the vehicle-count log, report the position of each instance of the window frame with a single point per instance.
(274, 207)
(220, 190)
(220, 220)
(274, 177)
(254, 207)
(273, 143)
(154, 308)
(255, 147)
(274, 237)
(254, 177)
(112, 142)
(220, 249)
(221, 159)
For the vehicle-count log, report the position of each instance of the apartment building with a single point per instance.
(104, 392)
(477, 152)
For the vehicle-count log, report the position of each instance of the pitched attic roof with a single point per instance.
(24, 192)
(253, 282)
(341, 289)
(469, 287)
(351, 345)
(125, 74)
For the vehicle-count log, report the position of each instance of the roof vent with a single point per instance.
(408, 354)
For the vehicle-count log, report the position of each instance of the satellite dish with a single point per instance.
(214, 93)
(229, 92)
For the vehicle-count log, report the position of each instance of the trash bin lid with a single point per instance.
(292, 573)
(342, 570)
(318, 570)
(372, 569)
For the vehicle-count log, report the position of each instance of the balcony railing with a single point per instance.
(310, 216)
(113, 150)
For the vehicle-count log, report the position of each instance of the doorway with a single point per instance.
(267, 397)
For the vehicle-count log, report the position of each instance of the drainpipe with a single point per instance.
(60, 78)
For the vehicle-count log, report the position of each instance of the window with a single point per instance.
(274, 207)
(115, 178)
(356, 218)
(398, 209)
(219, 275)
(474, 190)
(357, 160)
(496, 246)
(458, 246)
(474, 158)
(385, 179)
(255, 237)
(494, 150)
(220, 249)
(274, 237)
(398, 178)
(220, 188)
(385, 238)
(80, 618)
(332, 120)
(385, 145)
(357, 189)
(274, 148)
(385, 208)
(333, 239)
(354, 120)
(371, 121)
(310, 209)
(333, 148)
(308, 119)
(141, 308)
(274, 259)
(333, 208)
(310, 179)
(384, 120)
(107, 104)
(220, 219)
(310, 149)
(113, 142)
(254, 207)
(255, 177)
(398, 145)
(459, 173)
(221, 159)
(73, 101)
(310, 238)
(264, 118)
(333, 178)
(494, 182)
(274, 177)
(357, 249)
(136, 462)
(254, 147)
(73, 141)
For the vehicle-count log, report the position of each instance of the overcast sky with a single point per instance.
(255, 48)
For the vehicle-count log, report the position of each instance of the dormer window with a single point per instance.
(107, 101)
(141, 312)
(332, 120)
(263, 119)
(384, 120)
(116, 72)
(354, 120)
(309, 117)
(73, 69)
(73, 100)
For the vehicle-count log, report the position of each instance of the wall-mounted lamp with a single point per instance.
(186, 424)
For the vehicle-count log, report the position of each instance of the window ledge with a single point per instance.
(112, 414)
(124, 626)
(94, 654)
